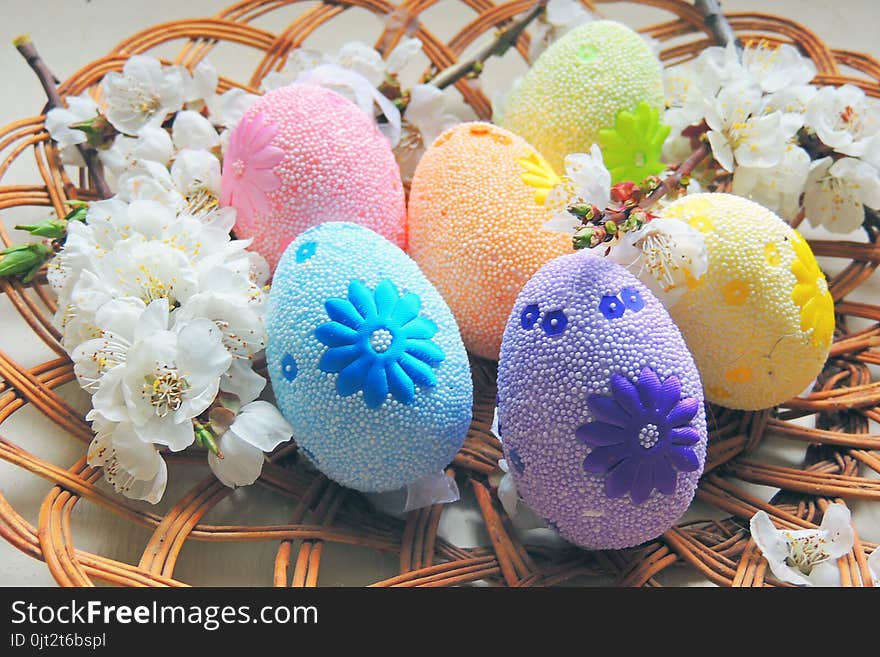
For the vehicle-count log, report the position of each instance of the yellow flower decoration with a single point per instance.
(771, 254)
(538, 174)
(736, 293)
(811, 293)
(739, 374)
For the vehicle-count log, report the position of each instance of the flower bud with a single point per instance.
(24, 260)
(625, 191)
(99, 133)
(583, 237)
(54, 229)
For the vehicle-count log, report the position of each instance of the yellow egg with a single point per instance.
(579, 85)
(760, 321)
(475, 225)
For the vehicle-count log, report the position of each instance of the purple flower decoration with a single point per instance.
(641, 436)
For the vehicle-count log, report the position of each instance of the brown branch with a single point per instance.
(28, 50)
(498, 46)
(667, 185)
(717, 23)
(597, 222)
(673, 180)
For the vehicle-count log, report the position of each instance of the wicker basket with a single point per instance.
(839, 454)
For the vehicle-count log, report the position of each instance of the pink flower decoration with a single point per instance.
(248, 167)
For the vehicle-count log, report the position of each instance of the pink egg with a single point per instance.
(303, 155)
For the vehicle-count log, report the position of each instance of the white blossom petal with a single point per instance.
(666, 254)
(862, 177)
(260, 424)
(796, 556)
(360, 58)
(59, 119)
(241, 464)
(167, 431)
(874, 566)
(149, 181)
(195, 172)
(562, 222)
(403, 52)
(242, 381)
(362, 90)
(120, 316)
(507, 492)
(109, 401)
(93, 359)
(721, 149)
(134, 468)
(760, 142)
(718, 66)
(844, 118)
(242, 327)
(778, 67)
(591, 178)
(202, 83)
(560, 17)
(835, 201)
(153, 320)
(144, 93)
(153, 144)
(202, 358)
(193, 131)
(427, 112)
(778, 188)
(226, 109)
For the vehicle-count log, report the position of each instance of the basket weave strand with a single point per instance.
(839, 449)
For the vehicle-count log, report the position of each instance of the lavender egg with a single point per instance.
(600, 405)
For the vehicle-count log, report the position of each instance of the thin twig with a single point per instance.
(498, 46)
(718, 24)
(28, 50)
(667, 185)
(673, 180)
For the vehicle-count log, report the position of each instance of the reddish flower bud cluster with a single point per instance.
(624, 215)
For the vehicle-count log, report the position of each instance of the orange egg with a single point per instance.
(476, 211)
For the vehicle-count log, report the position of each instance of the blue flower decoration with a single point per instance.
(611, 307)
(554, 322)
(641, 437)
(288, 367)
(530, 315)
(379, 344)
(306, 251)
(632, 299)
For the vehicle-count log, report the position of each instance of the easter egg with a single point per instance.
(475, 225)
(579, 85)
(302, 155)
(365, 359)
(760, 320)
(600, 405)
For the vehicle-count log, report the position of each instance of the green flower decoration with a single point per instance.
(631, 149)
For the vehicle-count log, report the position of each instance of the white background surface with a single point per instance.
(71, 33)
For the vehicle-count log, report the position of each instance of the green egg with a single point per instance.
(579, 85)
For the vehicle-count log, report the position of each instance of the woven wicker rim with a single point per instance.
(840, 448)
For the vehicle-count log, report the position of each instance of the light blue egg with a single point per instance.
(366, 360)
